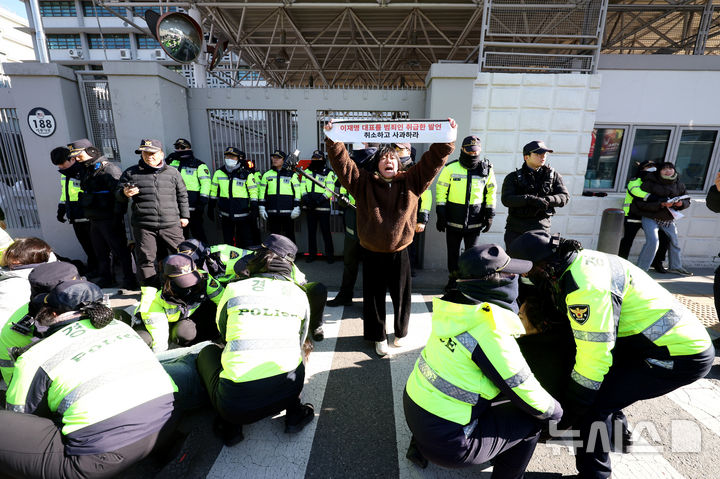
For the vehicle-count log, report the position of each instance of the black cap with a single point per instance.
(281, 246)
(44, 277)
(231, 150)
(483, 260)
(78, 146)
(534, 245)
(193, 248)
(71, 295)
(471, 144)
(149, 145)
(279, 153)
(318, 154)
(537, 146)
(645, 163)
(181, 270)
(181, 143)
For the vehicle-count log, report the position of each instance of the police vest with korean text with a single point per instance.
(280, 192)
(465, 192)
(235, 191)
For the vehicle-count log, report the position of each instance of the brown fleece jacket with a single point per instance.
(386, 211)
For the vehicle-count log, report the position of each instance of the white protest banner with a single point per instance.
(402, 131)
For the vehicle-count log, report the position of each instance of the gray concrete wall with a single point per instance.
(53, 87)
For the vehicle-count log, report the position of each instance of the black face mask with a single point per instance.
(317, 166)
(184, 154)
(469, 162)
(72, 171)
(192, 295)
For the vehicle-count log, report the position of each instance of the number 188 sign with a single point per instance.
(41, 122)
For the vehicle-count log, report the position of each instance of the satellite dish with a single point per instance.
(217, 53)
(179, 35)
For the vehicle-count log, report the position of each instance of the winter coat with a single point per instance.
(660, 190)
(545, 183)
(98, 181)
(162, 199)
(713, 199)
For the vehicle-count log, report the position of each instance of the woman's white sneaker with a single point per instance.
(398, 342)
(381, 347)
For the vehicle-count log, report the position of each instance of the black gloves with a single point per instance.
(487, 223)
(342, 201)
(486, 218)
(211, 210)
(441, 218)
(61, 212)
(536, 202)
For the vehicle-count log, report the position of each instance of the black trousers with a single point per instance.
(32, 446)
(108, 235)
(82, 233)
(502, 433)
(321, 218)
(281, 225)
(453, 237)
(630, 230)
(352, 255)
(317, 297)
(196, 229)
(237, 232)
(716, 290)
(511, 236)
(251, 401)
(628, 381)
(384, 272)
(147, 242)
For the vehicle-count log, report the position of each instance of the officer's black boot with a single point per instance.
(415, 456)
(230, 434)
(298, 418)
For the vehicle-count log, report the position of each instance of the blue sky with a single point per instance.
(15, 6)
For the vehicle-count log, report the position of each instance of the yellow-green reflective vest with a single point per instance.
(94, 374)
(9, 338)
(463, 202)
(227, 255)
(634, 190)
(157, 314)
(69, 189)
(279, 192)
(309, 188)
(608, 297)
(448, 383)
(424, 206)
(267, 322)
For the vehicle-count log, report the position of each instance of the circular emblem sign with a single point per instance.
(41, 122)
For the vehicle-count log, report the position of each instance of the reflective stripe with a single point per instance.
(264, 344)
(240, 301)
(467, 340)
(594, 337)
(666, 322)
(458, 175)
(15, 408)
(322, 209)
(151, 318)
(170, 311)
(84, 341)
(585, 382)
(442, 183)
(7, 363)
(204, 177)
(617, 287)
(239, 215)
(215, 293)
(518, 378)
(668, 364)
(446, 387)
(468, 429)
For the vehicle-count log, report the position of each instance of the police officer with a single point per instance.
(634, 339)
(532, 192)
(261, 371)
(182, 311)
(93, 375)
(470, 360)
(235, 193)
(465, 201)
(279, 197)
(217, 260)
(98, 181)
(69, 206)
(196, 176)
(316, 201)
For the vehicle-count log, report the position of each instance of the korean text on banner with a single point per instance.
(406, 131)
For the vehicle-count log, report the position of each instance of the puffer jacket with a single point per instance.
(98, 181)
(660, 190)
(162, 200)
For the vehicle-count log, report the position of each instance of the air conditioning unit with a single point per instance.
(75, 53)
(125, 54)
(159, 55)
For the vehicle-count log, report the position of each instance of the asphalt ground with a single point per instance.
(359, 429)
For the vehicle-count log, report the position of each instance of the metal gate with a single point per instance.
(97, 108)
(256, 132)
(17, 198)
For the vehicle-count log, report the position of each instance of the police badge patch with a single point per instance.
(579, 312)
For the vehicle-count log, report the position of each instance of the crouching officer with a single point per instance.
(264, 322)
(94, 376)
(634, 339)
(196, 176)
(188, 300)
(471, 359)
(235, 193)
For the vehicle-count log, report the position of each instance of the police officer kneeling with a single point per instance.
(455, 399)
(264, 322)
(94, 375)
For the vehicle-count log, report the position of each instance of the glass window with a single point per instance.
(146, 42)
(140, 11)
(61, 41)
(58, 9)
(603, 158)
(693, 157)
(113, 40)
(648, 145)
(90, 10)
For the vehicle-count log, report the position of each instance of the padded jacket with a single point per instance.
(659, 191)
(98, 181)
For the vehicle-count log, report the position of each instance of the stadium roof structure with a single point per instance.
(389, 43)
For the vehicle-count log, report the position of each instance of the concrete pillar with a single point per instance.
(149, 101)
(53, 87)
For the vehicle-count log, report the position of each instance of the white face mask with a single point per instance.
(651, 169)
(231, 163)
